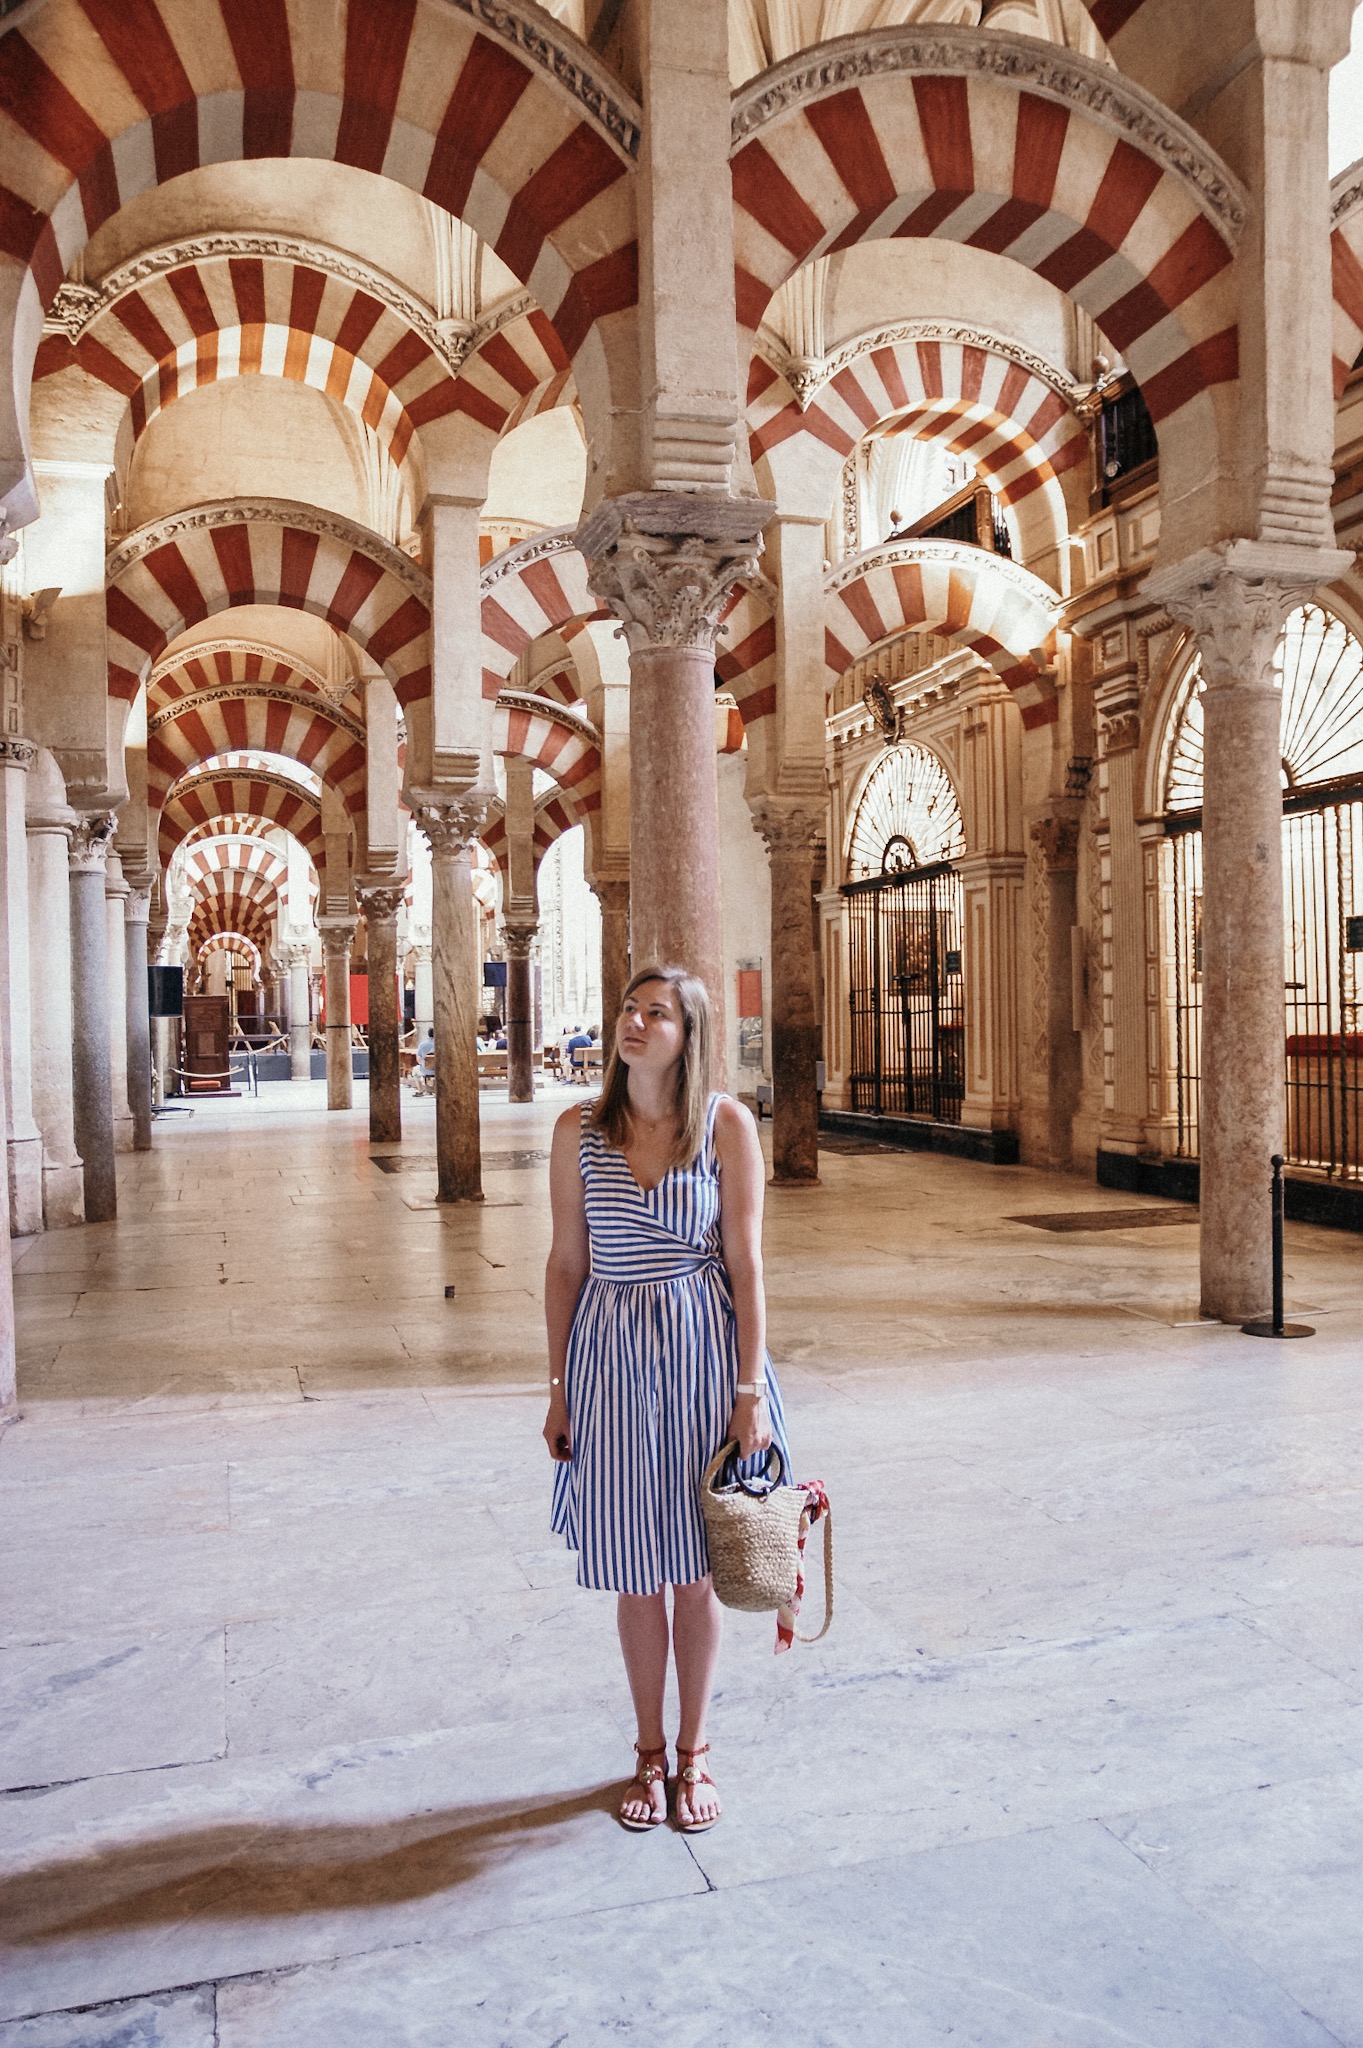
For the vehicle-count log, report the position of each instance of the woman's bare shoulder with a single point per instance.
(734, 1123)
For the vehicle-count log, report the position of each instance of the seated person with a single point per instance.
(578, 1045)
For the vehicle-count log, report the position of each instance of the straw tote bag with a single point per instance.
(756, 1530)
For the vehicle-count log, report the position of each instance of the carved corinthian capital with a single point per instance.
(665, 562)
(379, 902)
(450, 824)
(1234, 599)
(90, 837)
(789, 830)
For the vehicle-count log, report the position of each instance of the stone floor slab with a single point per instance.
(103, 1704)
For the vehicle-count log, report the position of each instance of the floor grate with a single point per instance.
(1108, 1219)
(424, 1162)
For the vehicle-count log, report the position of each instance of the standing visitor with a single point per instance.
(657, 1354)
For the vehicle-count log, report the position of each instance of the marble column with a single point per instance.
(665, 563)
(136, 913)
(1056, 839)
(338, 935)
(793, 835)
(1235, 598)
(116, 955)
(92, 1088)
(520, 1051)
(380, 907)
(613, 896)
(299, 958)
(423, 989)
(24, 1140)
(450, 828)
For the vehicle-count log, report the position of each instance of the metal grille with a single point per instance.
(1323, 947)
(908, 1013)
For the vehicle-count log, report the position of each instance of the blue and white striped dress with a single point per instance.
(650, 1375)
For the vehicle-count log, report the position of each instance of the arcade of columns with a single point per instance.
(701, 287)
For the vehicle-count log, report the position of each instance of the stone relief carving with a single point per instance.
(90, 839)
(668, 590)
(17, 753)
(788, 829)
(380, 902)
(1112, 100)
(557, 540)
(1058, 842)
(269, 512)
(1236, 621)
(889, 716)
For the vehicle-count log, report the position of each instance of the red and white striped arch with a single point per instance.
(210, 800)
(101, 100)
(214, 557)
(206, 937)
(1017, 427)
(1346, 268)
(228, 316)
(234, 899)
(202, 730)
(221, 666)
(552, 739)
(517, 371)
(745, 655)
(1004, 613)
(977, 136)
(554, 815)
(537, 587)
(211, 860)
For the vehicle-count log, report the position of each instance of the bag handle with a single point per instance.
(827, 1581)
(728, 1450)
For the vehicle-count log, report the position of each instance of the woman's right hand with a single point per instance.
(556, 1431)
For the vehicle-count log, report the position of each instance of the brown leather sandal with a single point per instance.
(649, 1774)
(692, 1776)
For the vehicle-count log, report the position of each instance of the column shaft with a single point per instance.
(92, 1090)
(336, 941)
(795, 1033)
(674, 806)
(613, 897)
(24, 1138)
(520, 1052)
(449, 826)
(136, 911)
(300, 1014)
(385, 1095)
(116, 958)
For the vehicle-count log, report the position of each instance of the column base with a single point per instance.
(795, 1180)
(63, 1194)
(25, 1185)
(124, 1134)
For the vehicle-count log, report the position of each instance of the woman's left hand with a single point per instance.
(750, 1424)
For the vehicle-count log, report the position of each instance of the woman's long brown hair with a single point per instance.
(610, 1113)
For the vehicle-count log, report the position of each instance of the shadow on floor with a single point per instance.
(277, 1871)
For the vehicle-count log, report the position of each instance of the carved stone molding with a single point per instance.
(532, 34)
(549, 707)
(1114, 102)
(450, 824)
(200, 778)
(954, 555)
(665, 562)
(1120, 731)
(888, 715)
(272, 693)
(380, 902)
(518, 939)
(90, 837)
(807, 375)
(298, 954)
(1058, 841)
(338, 936)
(16, 753)
(1346, 194)
(1234, 598)
(558, 540)
(269, 512)
(791, 831)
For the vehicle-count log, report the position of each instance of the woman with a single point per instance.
(657, 1355)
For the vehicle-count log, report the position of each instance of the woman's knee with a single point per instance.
(696, 1593)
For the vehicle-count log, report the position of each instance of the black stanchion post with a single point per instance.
(1274, 1326)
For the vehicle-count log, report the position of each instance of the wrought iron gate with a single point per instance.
(1323, 949)
(908, 1014)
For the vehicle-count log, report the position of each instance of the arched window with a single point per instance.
(904, 920)
(908, 817)
(1319, 668)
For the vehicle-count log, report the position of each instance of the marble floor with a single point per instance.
(311, 1742)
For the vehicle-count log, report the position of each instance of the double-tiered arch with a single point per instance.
(499, 116)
